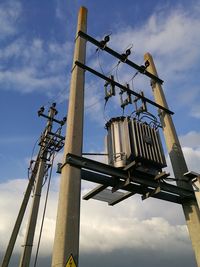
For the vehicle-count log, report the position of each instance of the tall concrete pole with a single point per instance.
(66, 242)
(27, 248)
(190, 207)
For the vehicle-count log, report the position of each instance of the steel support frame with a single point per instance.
(140, 183)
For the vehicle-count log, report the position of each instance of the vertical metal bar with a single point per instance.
(66, 242)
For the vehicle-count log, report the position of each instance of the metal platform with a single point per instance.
(116, 184)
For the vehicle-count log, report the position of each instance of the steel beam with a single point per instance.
(94, 192)
(137, 176)
(125, 196)
(124, 88)
(137, 189)
(119, 56)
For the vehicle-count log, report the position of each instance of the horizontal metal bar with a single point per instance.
(119, 56)
(52, 119)
(94, 192)
(89, 164)
(124, 88)
(125, 196)
(94, 154)
(137, 189)
(57, 135)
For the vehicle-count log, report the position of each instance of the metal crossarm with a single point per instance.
(119, 56)
(124, 88)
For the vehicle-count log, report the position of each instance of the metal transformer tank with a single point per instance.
(118, 147)
(130, 140)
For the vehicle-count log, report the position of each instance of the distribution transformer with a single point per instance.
(130, 140)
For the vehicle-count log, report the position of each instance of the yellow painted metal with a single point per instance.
(71, 262)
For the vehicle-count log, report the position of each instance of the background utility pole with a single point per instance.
(42, 168)
(20, 216)
(66, 241)
(190, 207)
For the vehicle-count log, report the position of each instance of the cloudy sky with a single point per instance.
(36, 49)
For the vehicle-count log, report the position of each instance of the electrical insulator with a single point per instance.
(104, 41)
(40, 111)
(143, 107)
(126, 54)
(127, 100)
(109, 88)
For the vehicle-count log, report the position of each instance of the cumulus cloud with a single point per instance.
(29, 65)
(157, 36)
(103, 228)
(36, 65)
(191, 139)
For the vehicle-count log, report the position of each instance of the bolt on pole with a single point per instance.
(190, 207)
(66, 242)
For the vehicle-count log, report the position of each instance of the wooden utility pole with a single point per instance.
(190, 207)
(66, 242)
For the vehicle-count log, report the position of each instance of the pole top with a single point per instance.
(82, 19)
(83, 9)
(152, 69)
(82, 15)
(147, 56)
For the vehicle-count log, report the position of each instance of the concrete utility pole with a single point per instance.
(42, 168)
(66, 241)
(190, 207)
(20, 216)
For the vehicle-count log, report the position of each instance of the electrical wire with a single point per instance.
(115, 66)
(104, 113)
(151, 117)
(33, 149)
(44, 211)
(116, 73)
(92, 105)
(98, 57)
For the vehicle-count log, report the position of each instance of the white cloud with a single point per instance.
(36, 65)
(104, 227)
(192, 158)
(171, 36)
(195, 112)
(10, 12)
(191, 139)
(11, 195)
(28, 65)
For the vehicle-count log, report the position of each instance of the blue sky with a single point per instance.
(36, 50)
